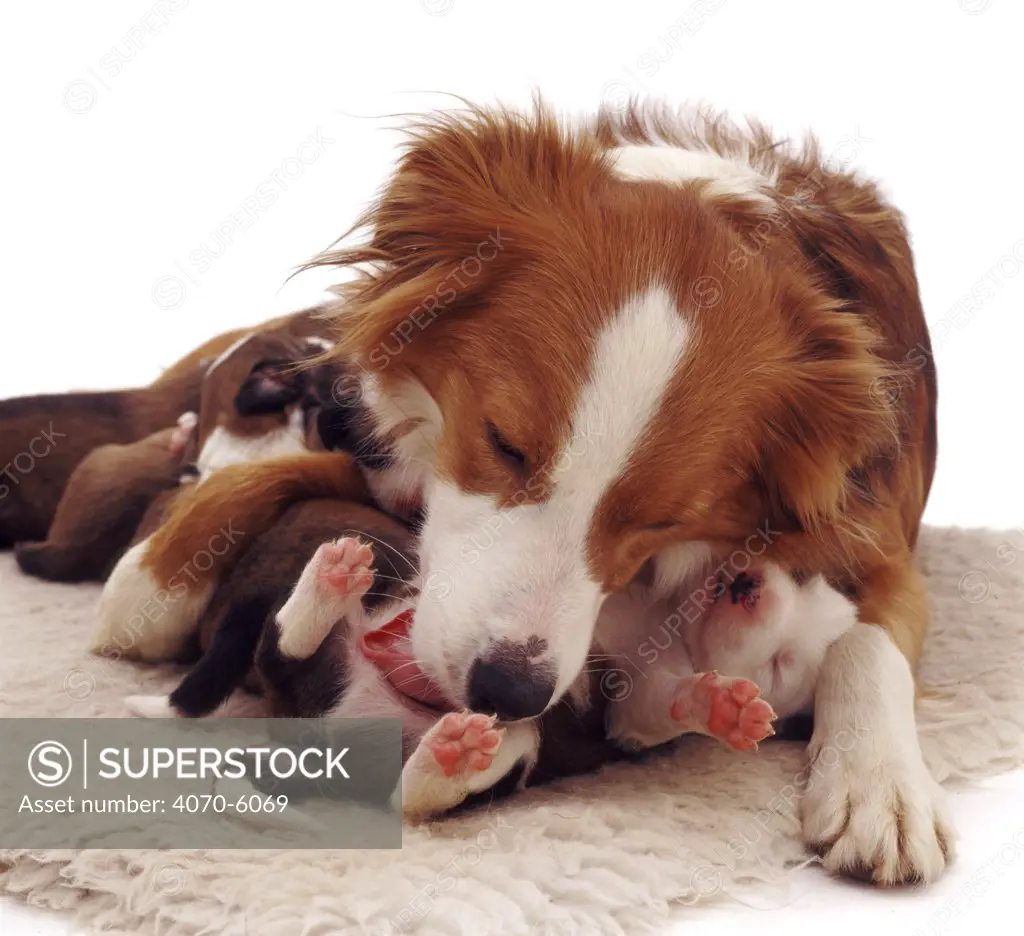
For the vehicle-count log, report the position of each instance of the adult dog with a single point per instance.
(633, 350)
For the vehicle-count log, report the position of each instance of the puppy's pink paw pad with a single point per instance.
(463, 742)
(738, 715)
(735, 712)
(345, 565)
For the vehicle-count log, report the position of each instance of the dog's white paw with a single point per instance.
(871, 807)
(883, 822)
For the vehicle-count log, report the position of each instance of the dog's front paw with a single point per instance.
(459, 755)
(879, 821)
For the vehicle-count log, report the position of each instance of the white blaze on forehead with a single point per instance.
(521, 572)
(636, 355)
(674, 164)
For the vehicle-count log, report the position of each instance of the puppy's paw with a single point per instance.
(151, 706)
(345, 566)
(463, 743)
(331, 584)
(182, 435)
(879, 821)
(451, 761)
(726, 708)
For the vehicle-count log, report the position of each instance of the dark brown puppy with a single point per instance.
(246, 604)
(44, 437)
(105, 499)
(251, 405)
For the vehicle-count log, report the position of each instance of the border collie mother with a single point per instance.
(610, 353)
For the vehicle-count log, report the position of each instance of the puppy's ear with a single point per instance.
(269, 388)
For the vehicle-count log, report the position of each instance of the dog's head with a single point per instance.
(588, 368)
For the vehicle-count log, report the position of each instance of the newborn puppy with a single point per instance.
(764, 631)
(766, 627)
(255, 399)
(257, 403)
(246, 603)
(44, 438)
(105, 499)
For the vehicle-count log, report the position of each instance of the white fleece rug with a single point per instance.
(621, 852)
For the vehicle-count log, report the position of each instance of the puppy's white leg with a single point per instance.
(871, 807)
(727, 708)
(462, 754)
(151, 706)
(331, 585)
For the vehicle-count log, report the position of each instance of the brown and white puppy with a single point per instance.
(255, 399)
(151, 604)
(104, 502)
(253, 403)
(260, 401)
(43, 438)
(248, 598)
(638, 341)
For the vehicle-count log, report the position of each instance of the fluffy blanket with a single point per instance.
(625, 850)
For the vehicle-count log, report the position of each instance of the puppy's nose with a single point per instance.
(510, 686)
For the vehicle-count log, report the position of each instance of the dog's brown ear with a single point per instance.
(836, 412)
(462, 202)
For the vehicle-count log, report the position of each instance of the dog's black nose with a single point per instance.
(510, 687)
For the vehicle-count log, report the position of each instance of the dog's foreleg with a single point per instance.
(871, 807)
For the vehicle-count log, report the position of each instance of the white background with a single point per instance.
(116, 175)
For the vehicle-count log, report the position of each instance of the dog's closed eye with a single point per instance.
(508, 453)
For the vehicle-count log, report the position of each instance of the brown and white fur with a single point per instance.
(706, 682)
(246, 602)
(44, 437)
(259, 404)
(732, 341)
(254, 401)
